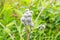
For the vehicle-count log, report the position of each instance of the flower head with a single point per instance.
(42, 27)
(26, 19)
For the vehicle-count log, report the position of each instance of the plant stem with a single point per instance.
(27, 33)
(8, 33)
(11, 36)
(39, 13)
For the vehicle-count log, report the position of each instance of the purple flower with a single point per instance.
(31, 24)
(23, 19)
(26, 19)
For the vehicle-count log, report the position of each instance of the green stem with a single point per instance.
(11, 36)
(8, 33)
(27, 32)
(39, 13)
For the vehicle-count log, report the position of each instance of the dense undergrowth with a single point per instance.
(45, 16)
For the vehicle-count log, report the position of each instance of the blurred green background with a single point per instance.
(44, 12)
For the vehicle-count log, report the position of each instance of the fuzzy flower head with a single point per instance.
(42, 27)
(27, 18)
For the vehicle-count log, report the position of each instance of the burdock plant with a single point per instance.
(27, 20)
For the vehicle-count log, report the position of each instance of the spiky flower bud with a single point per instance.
(42, 27)
(23, 19)
(26, 23)
(29, 15)
(25, 15)
(29, 19)
(31, 24)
